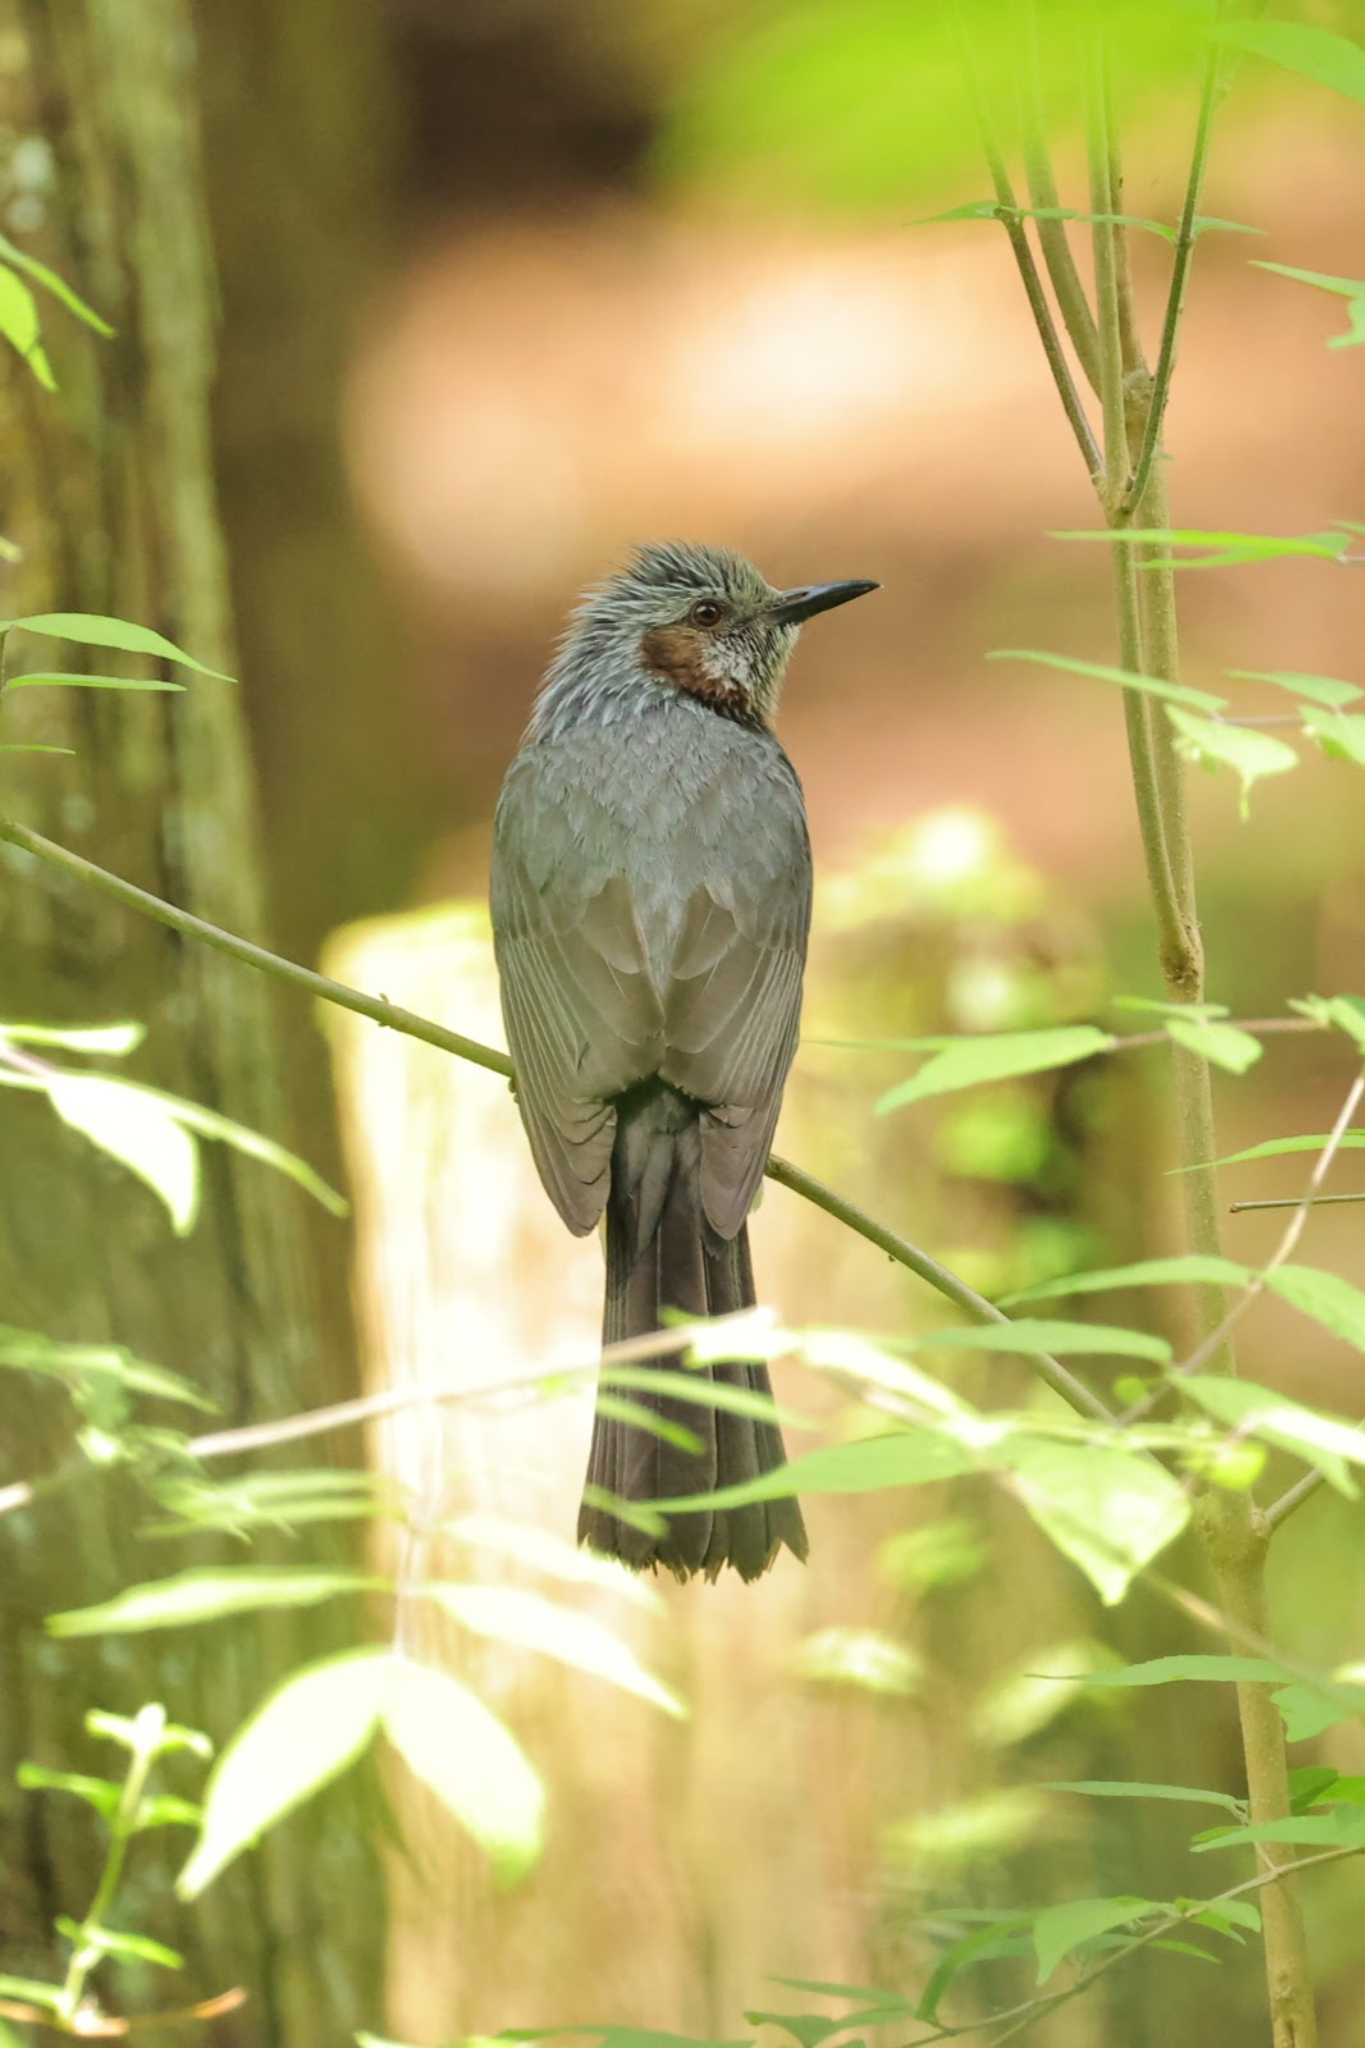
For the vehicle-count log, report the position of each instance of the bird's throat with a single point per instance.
(682, 657)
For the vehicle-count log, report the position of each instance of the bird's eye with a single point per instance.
(708, 611)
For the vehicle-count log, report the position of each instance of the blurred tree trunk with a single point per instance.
(110, 491)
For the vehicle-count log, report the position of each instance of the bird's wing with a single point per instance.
(583, 1021)
(733, 1004)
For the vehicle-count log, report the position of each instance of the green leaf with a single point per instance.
(448, 1738)
(1203, 1013)
(542, 1551)
(20, 326)
(91, 629)
(96, 1792)
(1059, 1930)
(270, 1500)
(1326, 1297)
(34, 747)
(1030, 1695)
(857, 1994)
(31, 1990)
(130, 1734)
(207, 1123)
(1277, 1148)
(167, 1810)
(1215, 549)
(1193, 1667)
(137, 1130)
(997, 1056)
(1350, 288)
(1325, 690)
(807, 2028)
(305, 1734)
(1126, 678)
(1250, 754)
(982, 1945)
(54, 283)
(1307, 1783)
(527, 1621)
(1315, 53)
(706, 1392)
(1109, 1510)
(1308, 1712)
(78, 681)
(108, 1038)
(28, 1351)
(618, 1408)
(111, 1943)
(1342, 1013)
(1341, 734)
(194, 1596)
(860, 1657)
(991, 209)
(1343, 1829)
(1221, 1044)
(901, 1458)
(1032, 1338)
(1257, 1411)
(1105, 1788)
(1188, 1270)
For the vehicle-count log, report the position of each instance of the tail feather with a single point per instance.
(662, 1254)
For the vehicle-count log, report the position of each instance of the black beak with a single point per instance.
(795, 605)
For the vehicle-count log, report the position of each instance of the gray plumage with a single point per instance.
(651, 889)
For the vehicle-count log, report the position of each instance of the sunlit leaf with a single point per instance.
(1329, 1445)
(1276, 1148)
(90, 629)
(527, 1621)
(207, 1123)
(305, 1734)
(34, 747)
(54, 283)
(1193, 1795)
(1189, 1269)
(31, 1990)
(193, 1596)
(20, 326)
(1217, 549)
(982, 1945)
(129, 1734)
(1326, 690)
(863, 1658)
(1033, 1339)
(140, 1947)
(991, 209)
(100, 1793)
(76, 681)
(271, 1500)
(1343, 1829)
(1111, 1511)
(1352, 289)
(704, 1391)
(448, 1738)
(167, 1810)
(1059, 1930)
(1341, 1013)
(618, 1408)
(1326, 1297)
(1313, 52)
(1126, 678)
(29, 1351)
(997, 1056)
(901, 1458)
(1251, 755)
(1223, 1045)
(1340, 734)
(1032, 1693)
(107, 1038)
(137, 1130)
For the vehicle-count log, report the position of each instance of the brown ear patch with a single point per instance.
(676, 654)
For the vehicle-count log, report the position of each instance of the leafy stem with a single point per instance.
(147, 1732)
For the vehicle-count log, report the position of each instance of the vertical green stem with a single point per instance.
(148, 1730)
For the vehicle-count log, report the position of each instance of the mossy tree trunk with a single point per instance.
(110, 492)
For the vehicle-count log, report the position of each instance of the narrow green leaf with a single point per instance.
(991, 209)
(1126, 678)
(31, 1990)
(982, 1945)
(108, 1038)
(543, 1551)
(857, 1994)
(1328, 1444)
(167, 1810)
(28, 1351)
(109, 1942)
(1250, 754)
(20, 326)
(1059, 1930)
(903, 1457)
(1326, 1297)
(54, 283)
(1352, 289)
(997, 1056)
(1034, 1337)
(1188, 1270)
(77, 681)
(1030, 1695)
(91, 629)
(1315, 53)
(1198, 1666)
(207, 1123)
(1111, 1511)
(617, 1408)
(1308, 1712)
(448, 1738)
(1341, 734)
(130, 1735)
(1202, 1013)
(1194, 1795)
(1217, 550)
(527, 1621)
(1221, 1044)
(1277, 1148)
(96, 1792)
(1307, 1783)
(1326, 690)
(1344, 1829)
(305, 1734)
(34, 747)
(704, 1391)
(132, 1126)
(194, 1596)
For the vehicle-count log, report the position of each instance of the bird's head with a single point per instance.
(703, 620)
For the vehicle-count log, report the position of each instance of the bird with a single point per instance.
(650, 896)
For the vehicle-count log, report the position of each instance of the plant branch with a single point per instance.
(1175, 300)
(393, 1018)
(1028, 270)
(1061, 264)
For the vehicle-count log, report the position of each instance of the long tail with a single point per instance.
(662, 1254)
